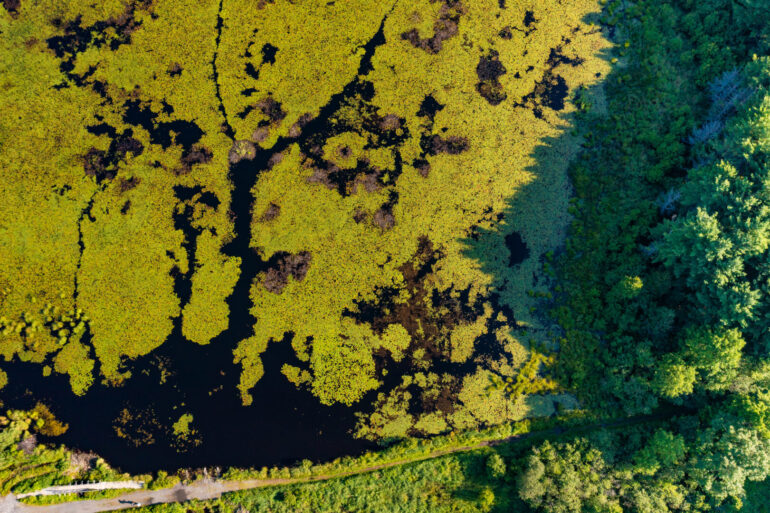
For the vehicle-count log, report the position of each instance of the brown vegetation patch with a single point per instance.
(260, 134)
(27, 446)
(441, 398)
(125, 185)
(344, 151)
(11, 6)
(272, 109)
(322, 174)
(296, 129)
(359, 216)
(453, 145)
(241, 150)
(82, 462)
(347, 180)
(445, 27)
(390, 122)
(283, 265)
(113, 32)
(95, 164)
(384, 218)
(127, 144)
(271, 212)
(196, 155)
(370, 181)
(489, 70)
(103, 165)
(274, 160)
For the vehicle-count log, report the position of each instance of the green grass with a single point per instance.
(26, 465)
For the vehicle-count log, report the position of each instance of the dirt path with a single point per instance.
(211, 489)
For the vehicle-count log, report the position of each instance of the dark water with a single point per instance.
(282, 426)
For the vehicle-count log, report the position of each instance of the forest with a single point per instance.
(521, 250)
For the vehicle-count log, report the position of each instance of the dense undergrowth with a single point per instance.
(26, 465)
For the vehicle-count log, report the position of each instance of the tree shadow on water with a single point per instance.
(517, 248)
(516, 251)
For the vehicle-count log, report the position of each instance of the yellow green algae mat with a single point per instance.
(374, 186)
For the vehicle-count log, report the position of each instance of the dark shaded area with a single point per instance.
(434, 144)
(424, 314)
(429, 316)
(85, 213)
(183, 221)
(251, 71)
(529, 27)
(550, 92)
(227, 128)
(517, 247)
(181, 132)
(272, 109)
(245, 112)
(296, 129)
(268, 53)
(556, 57)
(175, 70)
(11, 6)
(125, 185)
(429, 107)
(381, 131)
(529, 19)
(284, 424)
